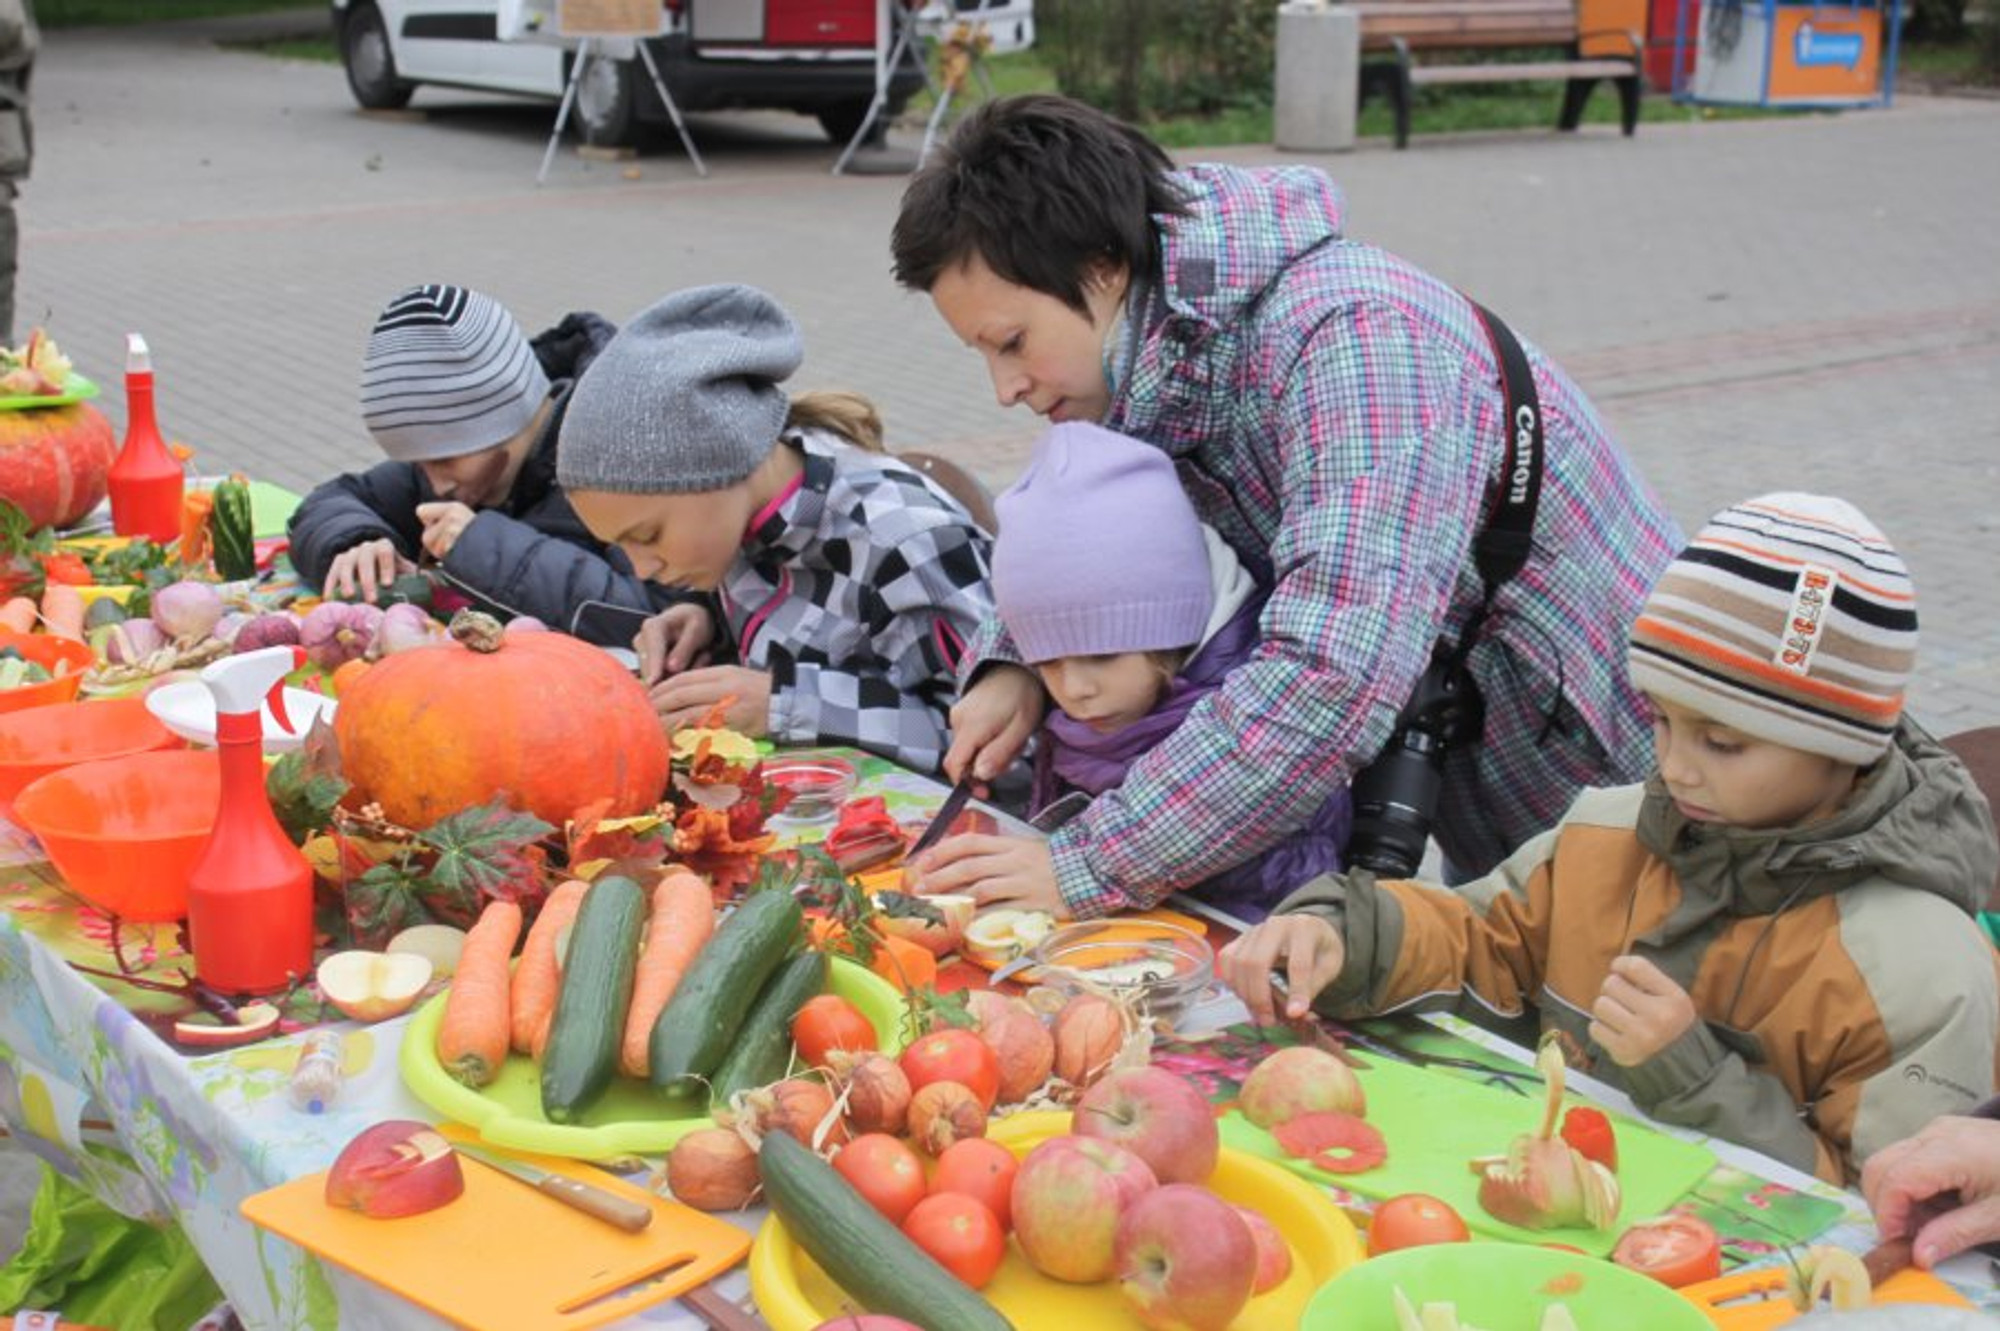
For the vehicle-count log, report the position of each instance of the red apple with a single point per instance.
(1067, 1199)
(396, 1168)
(1156, 1116)
(1274, 1255)
(1186, 1260)
(1300, 1080)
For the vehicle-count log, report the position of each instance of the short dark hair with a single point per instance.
(1039, 187)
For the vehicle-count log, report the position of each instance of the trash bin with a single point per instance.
(1318, 76)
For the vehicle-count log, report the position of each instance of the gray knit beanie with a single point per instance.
(447, 372)
(685, 399)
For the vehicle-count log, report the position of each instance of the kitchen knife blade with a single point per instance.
(607, 1206)
(947, 814)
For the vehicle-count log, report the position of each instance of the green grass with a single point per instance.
(127, 13)
(292, 48)
(1943, 64)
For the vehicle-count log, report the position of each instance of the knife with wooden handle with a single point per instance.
(601, 1203)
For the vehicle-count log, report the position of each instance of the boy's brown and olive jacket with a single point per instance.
(1846, 997)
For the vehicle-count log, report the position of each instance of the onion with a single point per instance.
(525, 624)
(1025, 1049)
(713, 1169)
(271, 630)
(1089, 1031)
(878, 1091)
(133, 641)
(187, 610)
(336, 632)
(404, 626)
(797, 1107)
(943, 1113)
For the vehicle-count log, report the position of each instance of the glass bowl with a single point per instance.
(1165, 965)
(819, 786)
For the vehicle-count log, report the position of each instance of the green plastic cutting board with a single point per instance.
(1434, 1122)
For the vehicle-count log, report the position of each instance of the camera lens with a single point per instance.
(1394, 800)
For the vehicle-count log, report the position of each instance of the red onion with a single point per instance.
(403, 627)
(187, 610)
(336, 632)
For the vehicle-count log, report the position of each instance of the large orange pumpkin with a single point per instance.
(545, 720)
(54, 462)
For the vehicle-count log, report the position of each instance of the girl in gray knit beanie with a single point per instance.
(844, 583)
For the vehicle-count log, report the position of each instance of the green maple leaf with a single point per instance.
(487, 851)
(386, 900)
(306, 785)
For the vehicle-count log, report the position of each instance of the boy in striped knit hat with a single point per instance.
(1772, 939)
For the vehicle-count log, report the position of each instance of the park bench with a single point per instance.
(1598, 47)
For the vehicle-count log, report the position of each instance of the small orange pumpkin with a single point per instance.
(545, 720)
(55, 462)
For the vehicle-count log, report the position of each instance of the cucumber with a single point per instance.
(866, 1255)
(763, 1048)
(232, 532)
(700, 1021)
(589, 1021)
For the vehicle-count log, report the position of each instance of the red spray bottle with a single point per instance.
(250, 899)
(145, 480)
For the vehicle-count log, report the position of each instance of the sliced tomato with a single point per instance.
(1337, 1143)
(1413, 1220)
(1675, 1250)
(1589, 1133)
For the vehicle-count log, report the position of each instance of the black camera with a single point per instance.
(1395, 797)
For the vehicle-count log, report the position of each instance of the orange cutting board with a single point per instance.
(504, 1257)
(1755, 1300)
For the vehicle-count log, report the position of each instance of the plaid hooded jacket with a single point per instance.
(1336, 414)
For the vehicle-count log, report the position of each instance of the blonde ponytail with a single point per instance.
(849, 415)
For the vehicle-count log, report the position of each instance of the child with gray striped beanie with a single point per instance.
(467, 409)
(1773, 939)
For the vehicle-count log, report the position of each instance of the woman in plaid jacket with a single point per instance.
(845, 584)
(1337, 414)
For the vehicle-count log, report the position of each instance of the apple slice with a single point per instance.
(373, 986)
(254, 1022)
(396, 1168)
(440, 944)
(998, 936)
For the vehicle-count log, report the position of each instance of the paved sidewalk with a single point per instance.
(1810, 302)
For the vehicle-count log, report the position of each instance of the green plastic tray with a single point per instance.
(1435, 1122)
(1498, 1287)
(631, 1119)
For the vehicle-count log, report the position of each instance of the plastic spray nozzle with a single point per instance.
(138, 358)
(243, 684)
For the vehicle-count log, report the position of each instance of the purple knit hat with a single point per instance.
(1099, 550)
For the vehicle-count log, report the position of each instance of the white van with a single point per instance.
(816, 57)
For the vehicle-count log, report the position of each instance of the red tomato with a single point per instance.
(1411, 1221)
(961, 1234)
(884, 1171)
(1589, 1134)
(827, 1023)
(1675, 1250)
(954, 1055)
(982, 1170)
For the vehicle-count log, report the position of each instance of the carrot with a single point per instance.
(472, 1038)
(682, 919)
(18, 615)
(537, 979)
(196, 505)
(62, 610)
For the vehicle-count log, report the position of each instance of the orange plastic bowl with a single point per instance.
(48, 739)
(48, 652)
(125, 833)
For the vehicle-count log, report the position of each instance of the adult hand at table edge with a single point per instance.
(1949, 1155)
(1306, 948)
(367, 567)
(993, 871)
(991, 724)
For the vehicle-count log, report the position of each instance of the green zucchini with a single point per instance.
(763, 1048)
(865, 1254)
(589, 1021)
(700, 1021)
(232, 531)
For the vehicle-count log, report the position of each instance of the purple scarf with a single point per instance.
(1075, 757)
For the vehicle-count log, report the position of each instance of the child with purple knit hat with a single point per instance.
(1132, 611)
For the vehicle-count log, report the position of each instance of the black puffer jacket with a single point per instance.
(531, 555)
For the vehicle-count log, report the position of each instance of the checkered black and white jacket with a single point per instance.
(857, 592)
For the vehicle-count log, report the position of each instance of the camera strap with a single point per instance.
(1501, 549)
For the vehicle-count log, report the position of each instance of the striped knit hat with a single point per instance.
(1789, 618)
(447, 372)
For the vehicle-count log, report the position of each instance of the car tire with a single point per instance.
(370, 64)
(841, 121)
(607, 103)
